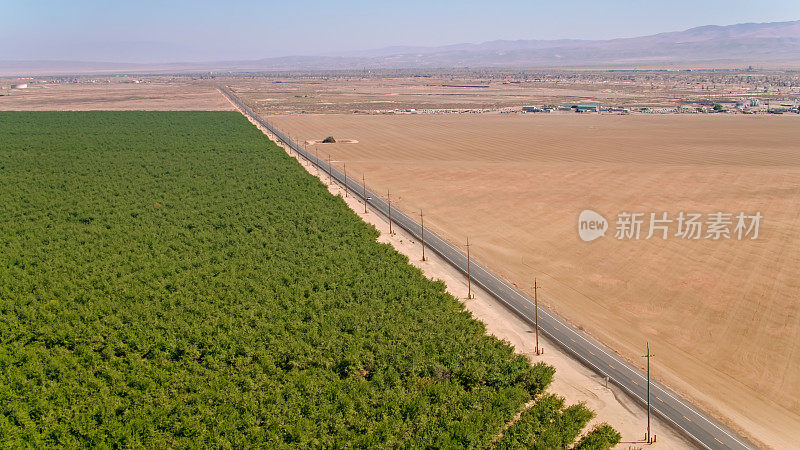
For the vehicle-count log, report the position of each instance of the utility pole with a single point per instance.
(648, 356)
(330, 170)
(389, 197)
(344, 165)
(364, 185)
(536, 288)
(422, 227)
(469, 274)
(316, 154)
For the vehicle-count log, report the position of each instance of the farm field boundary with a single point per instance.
(690, 420)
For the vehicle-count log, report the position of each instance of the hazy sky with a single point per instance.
(199, 30)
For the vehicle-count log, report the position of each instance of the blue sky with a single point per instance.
(200, 30)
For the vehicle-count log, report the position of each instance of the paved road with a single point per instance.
(688, 419)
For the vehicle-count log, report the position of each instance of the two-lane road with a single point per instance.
(690, 420)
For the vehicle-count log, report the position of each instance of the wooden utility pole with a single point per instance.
(469, 274)
(536, 288)
(364, 185)
(422, 234)
(648, 356)
(330, 170)
(389, 197)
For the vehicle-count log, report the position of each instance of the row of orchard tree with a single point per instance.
(172, 279)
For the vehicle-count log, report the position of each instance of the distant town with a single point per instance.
(468, 91)
(743, 106)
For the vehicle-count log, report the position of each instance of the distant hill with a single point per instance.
(773, 44)
(758, 43)
(10, 68)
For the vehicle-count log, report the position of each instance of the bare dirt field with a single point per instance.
(722, 316)
(160, 93)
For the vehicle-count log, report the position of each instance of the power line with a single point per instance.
(422, 232)
(330, 171)
(389, 198)
(648, 356)
(364, 185)
(536, 288)
(469, 274)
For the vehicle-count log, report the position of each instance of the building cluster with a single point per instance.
(742, 106)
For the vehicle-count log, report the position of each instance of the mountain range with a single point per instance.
(774, 44)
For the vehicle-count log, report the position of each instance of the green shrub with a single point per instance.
(601, 438)
(546, 425)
